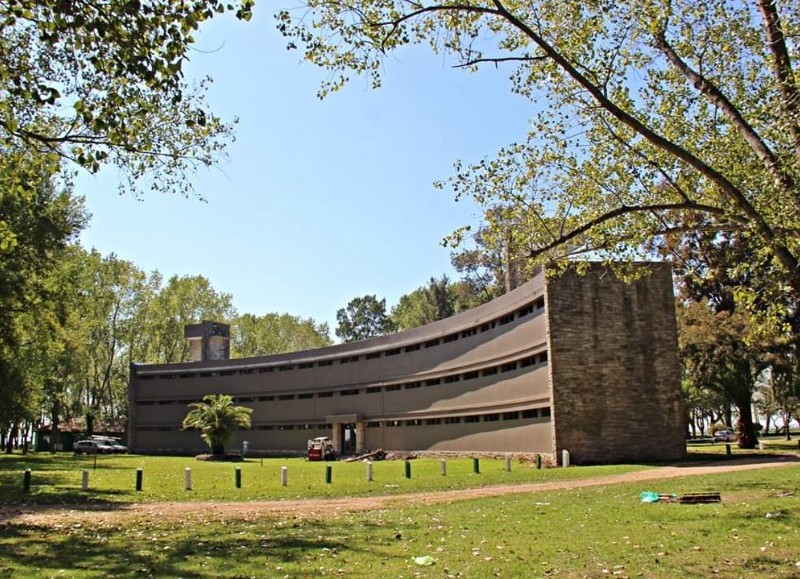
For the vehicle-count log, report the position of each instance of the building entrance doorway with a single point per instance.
(347, 442)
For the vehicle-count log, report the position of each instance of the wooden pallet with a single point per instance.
(697, 498)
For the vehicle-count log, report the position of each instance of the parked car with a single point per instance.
(115, 445)
(725, 436)
(92, 447)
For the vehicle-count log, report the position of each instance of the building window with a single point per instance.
(539, 303)
(433, 421)
(545, 412)
(431, 343)
(394, 387)
(511, 416)
(450, 338)
(373, 425)
(227, 373)
(146, 402)
(412, 348)
(324, 394)
(525, 311)
(393, 423)
(527, 362)
(305, 365)
(470, 375)
(468, 333)
(265, 370)
(532, 413)
(348, 360)
(491, 418)
(325, 363)
(412, 385)
(451, 379)
(373, 355)
(266, 398)
(415, 422)
(373, 389)
(286, 427)
(489, 371)
(305, 396)
(433, 382)
(543, 357)
(469, 419)
(452, 420)
(286, 397)
(245, 399)
(393, 352)
(510, 367)
(353, 392)
(507, 319)
(245, 371)
(285, 368)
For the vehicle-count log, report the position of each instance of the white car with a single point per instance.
(91, 447)
(725, 436)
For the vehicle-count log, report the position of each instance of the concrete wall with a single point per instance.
(614, 367)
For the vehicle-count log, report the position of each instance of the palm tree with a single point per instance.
(217, 418)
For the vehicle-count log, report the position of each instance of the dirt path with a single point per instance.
(331, 508)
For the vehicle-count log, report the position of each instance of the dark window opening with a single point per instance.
(433, 382)
(304, 365)
(325, 363)
(325, 395)
(511, 416)
(470, 419)
(373, 355)
(305, 396)
(431, 343)
(510, 367)
(451, 379)
(452, 420)
(532, 413)
(265, 370)
(545, 412)
(412, 348)
(373, 389)
(285, 368)
(470, 375)
(450, 338)
(394, 387)
(507, 319)
(393, 352)
(265, 398)
(286, 397)
(489, 371)
(352, 392)
(491, 418)
(412, 385)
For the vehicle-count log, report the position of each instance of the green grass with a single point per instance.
(57, 479)
(592, 532)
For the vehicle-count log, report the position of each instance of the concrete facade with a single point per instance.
(582, 363)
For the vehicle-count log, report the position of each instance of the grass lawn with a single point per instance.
(56, 479)
(591, 532)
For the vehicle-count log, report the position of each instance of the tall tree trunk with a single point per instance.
(745, 425)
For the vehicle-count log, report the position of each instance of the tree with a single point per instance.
(364, 317)
(102, 83)
(217, 419)
(437, 300)
(274, 334)
(717, 354)
(653, 117)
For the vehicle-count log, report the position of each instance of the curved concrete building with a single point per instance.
(583, 363)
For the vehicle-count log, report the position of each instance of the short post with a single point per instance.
(95, 461)
(139, 474)
(538, 461)
(508, 463)
(565, 458)
(85, 480)
(408, 469)
(26, 480)
(476, 465)
(238, 477)
(187, 477)
(444, 467)
(328, 473)
(369, 471)
(728, 448)
(284, 476)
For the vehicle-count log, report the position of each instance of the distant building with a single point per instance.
(584, 363)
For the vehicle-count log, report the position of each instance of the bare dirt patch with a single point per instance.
(331, 508)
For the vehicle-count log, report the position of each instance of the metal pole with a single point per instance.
(408, 469)
(238, 477)
(476, 465)
(139, 475)
(328, 473)
(539, 461)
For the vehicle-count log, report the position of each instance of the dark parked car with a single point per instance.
(91, 447)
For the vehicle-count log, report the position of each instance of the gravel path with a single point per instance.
(48, 515)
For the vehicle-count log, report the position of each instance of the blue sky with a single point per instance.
(319, 201)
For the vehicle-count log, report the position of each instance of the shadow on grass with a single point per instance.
(185, 549)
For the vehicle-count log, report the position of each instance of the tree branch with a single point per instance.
(619, 212)
(497, 61)
(782, 66)
(751, 137)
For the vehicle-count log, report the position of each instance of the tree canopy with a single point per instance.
(363, 317)
(102, 83)
(650, 117)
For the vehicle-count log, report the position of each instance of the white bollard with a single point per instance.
(565, 458)
(508, 463)
(85, 480)
(369, 471)
(284, 476)
(444, 467)
(187, 477)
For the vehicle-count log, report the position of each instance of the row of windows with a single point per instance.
(471, 375)
(495, 417)
(508, 318)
